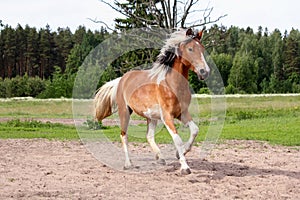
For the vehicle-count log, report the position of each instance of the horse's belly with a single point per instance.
(153, 113)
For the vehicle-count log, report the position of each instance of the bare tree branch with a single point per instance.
(186, 11)
(164, 13)
(209, 21)
(174, 13)
(198, 11)
(101, 22)
(113, 7)
(169, 13)
(155, 12)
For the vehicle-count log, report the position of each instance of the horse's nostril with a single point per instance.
(202, 71)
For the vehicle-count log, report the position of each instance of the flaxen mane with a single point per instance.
(167, 54)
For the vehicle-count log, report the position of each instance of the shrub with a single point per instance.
(230, 89)
(61, 85)
(2, 89)
(204, 90)
(21, 86)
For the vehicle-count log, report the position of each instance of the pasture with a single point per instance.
(257, 155)
(275, 119)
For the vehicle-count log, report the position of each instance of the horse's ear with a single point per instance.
(189, 32)
(200, 33)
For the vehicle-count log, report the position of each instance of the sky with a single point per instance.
(272, 14)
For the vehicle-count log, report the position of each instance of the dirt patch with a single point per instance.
(43, 169)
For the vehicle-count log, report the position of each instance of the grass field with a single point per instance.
(36, 108)
(275, 119)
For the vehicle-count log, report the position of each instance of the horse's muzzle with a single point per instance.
(203, 74)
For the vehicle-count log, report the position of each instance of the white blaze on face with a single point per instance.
(207, 69)
(205, 64)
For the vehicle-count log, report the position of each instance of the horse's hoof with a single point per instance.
(161, 161)
(127, 167)
(131, 167)
(185, 171)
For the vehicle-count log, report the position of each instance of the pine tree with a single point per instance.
(224, 64)
(232, 41)
(64, 42)
(9, 51)
(20, 51)
(264, 57)
(292, 53)
(140, 13)
(244, 72)
(48, 52)
(79, 35)
(32, 52)
(2, 70)
(277, 55)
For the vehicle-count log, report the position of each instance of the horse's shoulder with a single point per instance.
(136, 74)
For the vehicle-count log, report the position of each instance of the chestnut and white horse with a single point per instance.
(161, 93)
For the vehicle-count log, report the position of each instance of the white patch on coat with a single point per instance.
(154, 112)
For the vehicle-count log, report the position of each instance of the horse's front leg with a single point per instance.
(194, 130)
(169, 123)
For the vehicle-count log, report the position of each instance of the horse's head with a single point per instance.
(191, 52)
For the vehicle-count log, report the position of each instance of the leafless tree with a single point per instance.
(169, 14)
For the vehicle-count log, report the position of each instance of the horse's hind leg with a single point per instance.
(150, 137)
(124, 115)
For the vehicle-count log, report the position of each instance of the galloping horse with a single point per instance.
(161, 93)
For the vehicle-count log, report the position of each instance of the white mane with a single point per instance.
(160, 70)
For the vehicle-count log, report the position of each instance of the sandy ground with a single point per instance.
(43, 169)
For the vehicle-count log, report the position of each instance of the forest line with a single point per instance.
(249, 61)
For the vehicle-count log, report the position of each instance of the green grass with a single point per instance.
(275, 130)
(281, 131)
(34, 129)
(272, 119)
(36, 109)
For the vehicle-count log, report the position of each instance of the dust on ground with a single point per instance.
(50, 169)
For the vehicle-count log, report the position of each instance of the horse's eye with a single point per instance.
(190, 49)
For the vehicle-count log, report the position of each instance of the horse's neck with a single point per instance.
(177, 78)
(180, 68)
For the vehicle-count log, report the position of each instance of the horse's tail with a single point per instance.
(105, 100)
